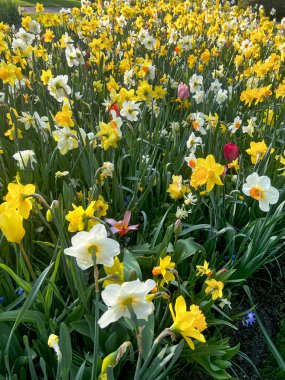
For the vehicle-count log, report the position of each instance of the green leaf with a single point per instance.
(49, 292)
(110, 344)
(147, 336)
(186, 248)
(174, 354)
(23, 284)
(159, 227)
(31, 355)
(131, 266)
(30, 316)
(82, 327)
(80, 372)
(66, 351)
(29, 300)
(43, 368)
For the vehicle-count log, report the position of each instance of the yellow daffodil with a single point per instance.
(11, 224)
(78, 218)
(257, 151)
(39, 8)
(176, 189)
(112, 360)
(215, 288)
(9, 73)
(19, 198)
(64, 117)
(117, 271)
(164, 268)
(203, 269)
(207, 172)
(46, 75)
(189, 323)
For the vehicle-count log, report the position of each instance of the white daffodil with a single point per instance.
(259, 188)
(24, 157)
(198, 121)
(222, 96)
(216, 86)
(236, 125)
(195, 83)
(191, 160)
(120, 299)
(66, 139)
(27, 119)
(199, 96)
(130, 110)
(128, 78)
(193, 142)
(58, 87)
(73, 56)
(85, 244)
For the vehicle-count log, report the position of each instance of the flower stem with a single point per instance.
(138, 366)
(28, 263)
(96, 326)
(162, 335)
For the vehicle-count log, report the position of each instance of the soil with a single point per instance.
(268, 295)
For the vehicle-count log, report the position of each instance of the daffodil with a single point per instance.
(11, 224)
(164, 268)
(19, 198)
(24, 158)
(112, 360)
(260, 189)
(115, 273)
(176, 189)
(215, 288)
(189, 323)
(86, 245)
(46, 75)
(124, 299)
(203, 269)
(58, 87)
(257, 151)
(53, 342)
(207, 172)
(64, 117)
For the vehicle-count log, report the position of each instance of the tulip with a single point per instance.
(183, 91)
(231, 152)
(122, 227)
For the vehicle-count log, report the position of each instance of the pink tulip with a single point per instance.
(122, 227)
(183, 91)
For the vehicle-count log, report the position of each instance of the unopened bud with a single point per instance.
(178, 227)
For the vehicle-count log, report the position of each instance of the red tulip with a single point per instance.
(231, 152)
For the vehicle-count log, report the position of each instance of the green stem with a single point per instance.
(138, 366)
(28, 263)
(139, 341)
(96, 326)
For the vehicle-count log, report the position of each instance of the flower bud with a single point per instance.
(183, 91)
(177, 227)
(231, 152)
